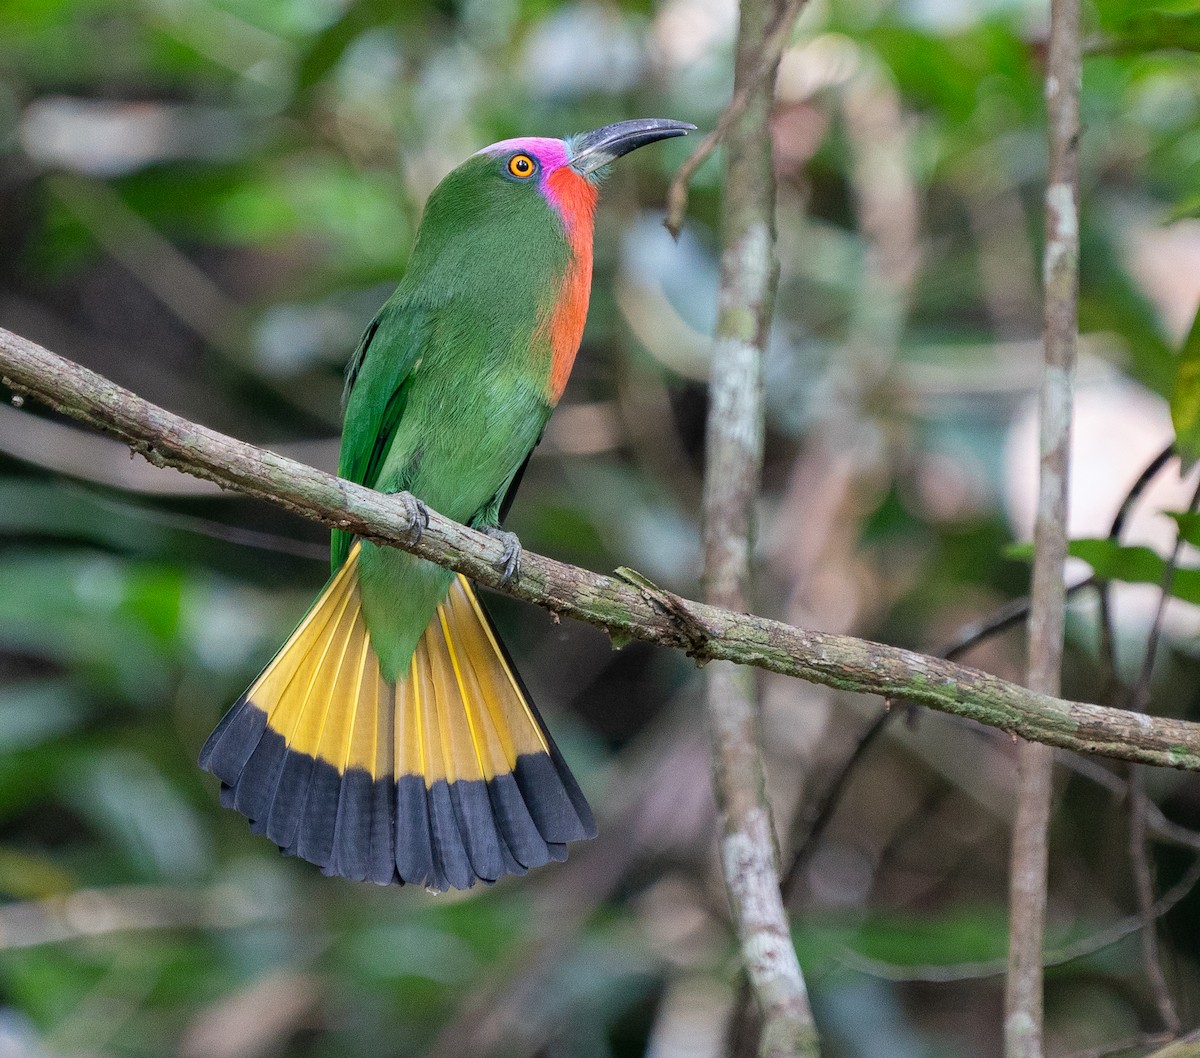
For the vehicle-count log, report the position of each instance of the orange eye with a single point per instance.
(521, 166)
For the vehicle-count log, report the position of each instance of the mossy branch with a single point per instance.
(626, 605)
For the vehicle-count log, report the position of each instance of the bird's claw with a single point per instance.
(418, 519)
(510, 562)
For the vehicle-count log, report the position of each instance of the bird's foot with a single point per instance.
(510, 562)
(418, 518)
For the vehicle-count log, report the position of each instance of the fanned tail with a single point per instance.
(443, 779)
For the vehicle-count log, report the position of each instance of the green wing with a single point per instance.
(378, 379)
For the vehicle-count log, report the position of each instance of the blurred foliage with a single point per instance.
(206, 200)
(1185, 400)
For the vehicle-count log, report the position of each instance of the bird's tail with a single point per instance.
(446, 777)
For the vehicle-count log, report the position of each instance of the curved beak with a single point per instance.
(594, 150)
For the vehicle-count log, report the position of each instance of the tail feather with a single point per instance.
(363, 842)
(250, 754)
(237, 736)
(318, 822)
(545, 783)
(253, 795)
(443, 779)
(465, 755)
(497, 808)
(413, 834)
(324, 669)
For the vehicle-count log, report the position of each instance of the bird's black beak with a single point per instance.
(594, 150)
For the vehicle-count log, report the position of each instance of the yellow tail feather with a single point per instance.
(444, 778)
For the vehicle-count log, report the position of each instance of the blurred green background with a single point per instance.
(206, 200)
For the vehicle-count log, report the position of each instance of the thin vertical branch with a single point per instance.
(1139, 853)
(1138, 698)
(1143, 880)
(1027, 885)
(733, 466)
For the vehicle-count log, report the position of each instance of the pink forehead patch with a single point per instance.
(551, 154)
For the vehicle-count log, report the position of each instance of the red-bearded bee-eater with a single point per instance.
(390, 738)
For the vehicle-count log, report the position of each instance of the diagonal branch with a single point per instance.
(625, 605)
(1082, 948)
(758, 84)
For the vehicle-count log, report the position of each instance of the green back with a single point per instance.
(448, 391)
(488, 258)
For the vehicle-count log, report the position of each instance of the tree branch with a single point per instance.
(1139, 853)
(747, 89)
(733, 468)
(1188, 1047)
(1030, 846)
(949, 973)
(624, 604)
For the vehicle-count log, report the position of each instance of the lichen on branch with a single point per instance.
(629, 606)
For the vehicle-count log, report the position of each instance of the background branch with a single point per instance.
(1030, 846)
(1188, 1047)
(750, 87)
(1139, 854)
(945, 973)
(732, 473)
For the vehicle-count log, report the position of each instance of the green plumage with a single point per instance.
(448, 391)
(382, 741)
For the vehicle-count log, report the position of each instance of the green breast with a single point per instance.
(450, 395)
(463, 436)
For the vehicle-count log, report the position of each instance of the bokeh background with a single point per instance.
(206, 200)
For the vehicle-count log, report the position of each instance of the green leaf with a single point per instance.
(1136, 28)
(962, 935)
(1185, 399)
(1189, 525)
(1186, 208)
(1135, 565)
(127, 796)
(1131, 563)
(1112, 302)
(32, 875)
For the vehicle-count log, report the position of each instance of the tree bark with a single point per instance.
(733, 466)
(1030, 849)
(624, 603)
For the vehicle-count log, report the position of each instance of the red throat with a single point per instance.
(576, 199)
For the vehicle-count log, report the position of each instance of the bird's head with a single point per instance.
(565, 172)
(510, 232)
(501, 183)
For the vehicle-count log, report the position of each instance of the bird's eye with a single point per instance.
(521, 166)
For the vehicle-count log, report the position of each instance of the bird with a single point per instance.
(390, 739)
